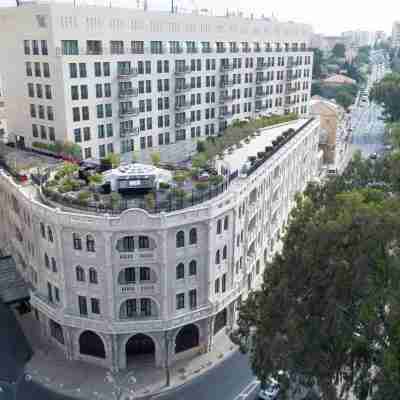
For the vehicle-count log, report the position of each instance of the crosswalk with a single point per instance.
(248, 390)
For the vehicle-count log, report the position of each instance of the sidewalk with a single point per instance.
(49, 367)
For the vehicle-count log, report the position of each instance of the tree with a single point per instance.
(113, 159)
(344, 98)
(387, 92)
(155, 158)
(339, 50)
(328, 311)
(317, 63)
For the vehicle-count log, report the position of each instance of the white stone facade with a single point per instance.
(229, 238)
(185, 77)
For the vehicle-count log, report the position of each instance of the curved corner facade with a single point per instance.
(111, 289)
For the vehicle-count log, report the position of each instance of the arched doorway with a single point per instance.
(187, 338)
(221, 320)
(140, 349)
(91, 344)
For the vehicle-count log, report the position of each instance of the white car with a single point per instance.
(271, 392)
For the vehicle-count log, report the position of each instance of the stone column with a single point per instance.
(68, 343)
(110, 279)
(211, 321)
(114, 359)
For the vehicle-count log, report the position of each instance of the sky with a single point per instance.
(327, 17)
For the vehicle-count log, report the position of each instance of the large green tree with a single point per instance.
(329, 307)
(387, 92)
(317, 63)
(339, 50)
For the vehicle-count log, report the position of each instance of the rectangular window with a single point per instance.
(142, 143)
(216, 286)
(102, 151)
(46, 70)
(35, 132)
(97, 69)
(45, 51)
(27, 47)
(82, 305)
(31, 90)
(49, 292)
(88, 152)
(95, 304)
(148, 67)
(86, 133)
(107, 89)
(82, 70)
(77, 135)
(43, 132)
(148, 86)
(117, 47)
(100, 131)
(37, 69)
(180, 301)
(39, 90)
(223, 283)
(33, 110)
(35, 47)
(48, 91)
(85, 113)
(41, 111)
(52, 134)
(108, 108)
(149, 123)
(50, 113)
(84, 92)
(193, 298)
(100, 111)
(137, 47)
(73, 70)
(69, 47)
(76, 114)
(57, 294)
(74, 93)
(99, 90)
(106, 68)
(28, 67)
(109, 130)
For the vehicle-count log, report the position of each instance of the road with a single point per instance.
(368, 130)
(231, 380)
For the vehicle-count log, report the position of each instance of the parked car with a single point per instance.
(332, 172)
(373, 156)
(271, 391)
(203, 177)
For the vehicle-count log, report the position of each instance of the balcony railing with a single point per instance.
(225, 84)
(126, 93)
(261, 66)
(182, 123)
(261, 94)
(183, 106)
(246, 50)
(127, 132)
(234, 50)
(226, 67)
(192, 50)
(182, 71)
(261, 80)
(139, 288)
(290, 90)
(182, 89)
(206, 50)
(129, 112)
(176, 50)
(221, 49)
(127, 73)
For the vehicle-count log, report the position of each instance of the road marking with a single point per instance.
(248, 390)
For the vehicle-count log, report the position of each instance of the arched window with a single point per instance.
(180, 271)
(90, 244)
(217, 257)
(180, 239)
(193, 236)
(224, 252)
(91, 344)
(46, 261)
(226, 222)
(77, 241)
(80, 274)
(92, 275)
(50, 234)
(42, 230)
(187, 338)
(193, 267)
(53, 264)
(144, 242)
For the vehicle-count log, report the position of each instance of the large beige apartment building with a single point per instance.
(123, 80)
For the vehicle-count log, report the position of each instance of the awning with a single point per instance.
(13, 288)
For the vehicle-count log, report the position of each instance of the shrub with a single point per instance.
(150, 200)
(216, 179)
(84, 196)
(201, 186)
(179, 193)
(155, 158)
(115, 199)
(164, 185)
(96, 179)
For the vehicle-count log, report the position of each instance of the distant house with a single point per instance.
(338, 79)
(333, 120)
